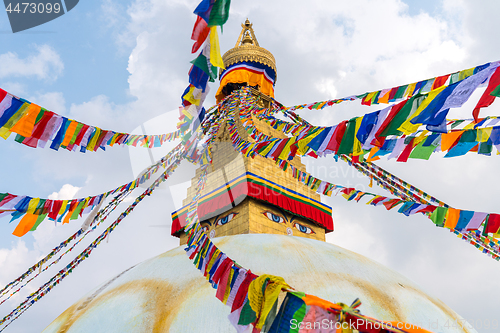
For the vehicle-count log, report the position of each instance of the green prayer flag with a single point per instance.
(456, 123)
(421, 152)
(247, 315)
(202, 63)
(469, 136)
(38, 221)
(20, 138)
(438, 216)
(40, 206)
(454, 78)
(76, 212)
(219, 13)
(485, 148)
(40, 115)
(375, 97)
(347, 143)
(78, 128)
(299, 317)
(401, 92)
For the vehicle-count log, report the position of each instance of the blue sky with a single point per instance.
(92, 63)
(118, 65)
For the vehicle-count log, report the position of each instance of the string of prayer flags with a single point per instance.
(411, 205)
(378, 133)
(391, 95)
(35, 127)
(209, 15)
(33, 211)
(44, 264)
(63, 273)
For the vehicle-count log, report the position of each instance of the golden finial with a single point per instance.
(247, 49)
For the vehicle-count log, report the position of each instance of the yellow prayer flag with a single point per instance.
(113, 139)
(93, 141)
(469, 126)
(261, 301)
(215, 57)
(357, 147)
(483, 134)
(369, 97)
(420, 138)
(228, 287)
(302, 143)
(465, 73)
(267, 149)
(63, 207)
(32, 205)
(407, 127)
(190, 97)
(409, 90)
(286, 151)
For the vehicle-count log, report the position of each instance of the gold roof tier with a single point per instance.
(247, 49)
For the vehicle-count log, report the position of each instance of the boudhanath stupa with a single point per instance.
(267, 222)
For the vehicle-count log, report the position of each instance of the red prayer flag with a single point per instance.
(8, 198)
(337, 136)
(56, 206)
(493, 224)
(392, 93)
(440, 81)
(487, 99)
(3, 93)
(406, 152)
(391, 203)
(38, 130)
(200, 33)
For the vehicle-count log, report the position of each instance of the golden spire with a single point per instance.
(247, 49)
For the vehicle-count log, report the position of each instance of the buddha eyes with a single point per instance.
(280, 219)
(273, 217)
(303, 228)
(226, 219)
(205, 228)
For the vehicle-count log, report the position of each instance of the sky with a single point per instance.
(123, 66)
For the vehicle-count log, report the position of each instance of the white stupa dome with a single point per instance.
(168, 294)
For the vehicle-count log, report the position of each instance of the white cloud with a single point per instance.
(67, 192)
(14, 88)
(46, 64)
(14, 261)
(53, 101)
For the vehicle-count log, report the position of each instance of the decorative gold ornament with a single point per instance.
(247, 49)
